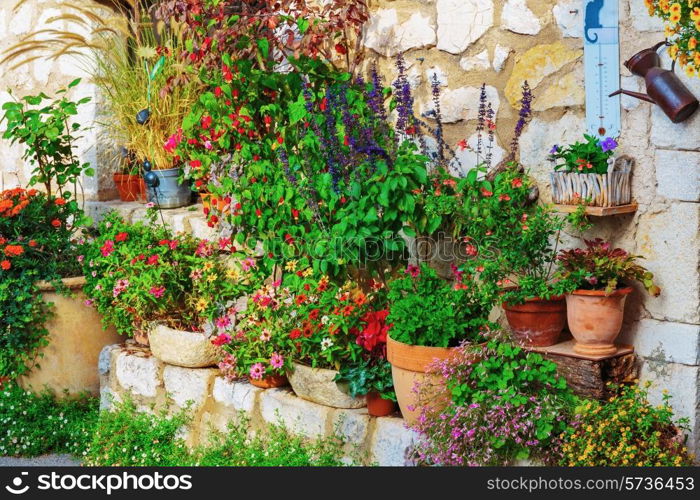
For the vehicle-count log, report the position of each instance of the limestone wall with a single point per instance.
(504, 42)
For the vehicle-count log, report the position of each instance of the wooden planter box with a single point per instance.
(598, 190)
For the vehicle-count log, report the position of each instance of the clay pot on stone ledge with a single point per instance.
(270, 381)
(130, 187)
(595, 319)
(377, 406)
(537, 322)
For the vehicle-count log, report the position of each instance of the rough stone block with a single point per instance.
(188, 385)
(351, 425)
(301, 416)
(139, 375)
(678, 174)
(516, 17)
(462, 22)
(664, 341)
(391, 441)
(385, 35)
(104, 361)
(683, 383)
(569, 18)
(667, 238)
(200, 229)
(108, 398)
(240, 396)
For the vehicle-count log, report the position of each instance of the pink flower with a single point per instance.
(276, 361)
(248, 264)
(153, 259)
(277, 284)
(224, 243)
(120, 287)
(157, 291)
(265, 336)
(107, 248)
(223, 322)
(150, 204)
(81, 258)
(173, 141)
(414, 271)
(257, 371)
(88, 302)
(222, 339)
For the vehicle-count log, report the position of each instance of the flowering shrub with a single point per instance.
(426, 310)
(590, 157)
(682, 30)
(626, 430)
(599, 266)
(507, 404)
(137, 273)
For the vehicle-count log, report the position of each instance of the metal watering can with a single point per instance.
(663, 85)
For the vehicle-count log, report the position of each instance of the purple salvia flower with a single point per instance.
(524, 116)
(435, 88)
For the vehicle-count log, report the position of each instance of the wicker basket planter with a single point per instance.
(598, 190)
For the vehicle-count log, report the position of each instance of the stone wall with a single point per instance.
(504, 42)
(130, 372)
(42, 75)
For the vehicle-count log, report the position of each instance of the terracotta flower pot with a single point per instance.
(409, 367)
(130, 187)
(76, 338)
(537, 322)
(377, 406)
(270, 381)
(595, 319)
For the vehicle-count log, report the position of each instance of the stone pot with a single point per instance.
(319, 385)
(76, 338)
(595, 319)
(409, 368)
(377, 406)
(270, 381)
(537, 322)
(182, 348)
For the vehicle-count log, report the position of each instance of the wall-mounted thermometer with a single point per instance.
(602, 64)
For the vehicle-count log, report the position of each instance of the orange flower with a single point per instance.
(59, 201)
(5, 264)
(33, 243)
(361, 299)
(32, 192)
(56, 223)
(13, 250)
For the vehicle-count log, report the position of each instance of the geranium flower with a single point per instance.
(276, 361)
(121, 236)
(56, 223)
(14, 250)
(152, 260)
(107, 248)
(257, 371)
(413, 271)
(517, 182)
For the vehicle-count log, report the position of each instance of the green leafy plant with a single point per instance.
(426, 310)
(626, 430)
(599, 266)
(367, 376)
(48, 136)
(506, 404)
(590, 157)
(38, 424)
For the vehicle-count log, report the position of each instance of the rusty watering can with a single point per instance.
(663, 85)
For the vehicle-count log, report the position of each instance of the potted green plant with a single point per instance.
(430, 318)
(601, 276)
(128, 180)
(40, 254)
(585, 173)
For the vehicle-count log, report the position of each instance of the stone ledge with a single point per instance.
(217, 402)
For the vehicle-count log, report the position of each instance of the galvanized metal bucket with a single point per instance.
(169, 193)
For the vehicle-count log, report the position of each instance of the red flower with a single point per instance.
(107, 248)
(5, 264)
(153, 259)
(486, 192)
(341, 49)
(32, 243)
(295, 213)
(59, 201)
(301, 299)
(324, 104)
(517, 182)
(313, 315)
(218, 92)
(206, 122)
(195, 163)
(295, 334)
(462, 145)
(258, 212)
(503, 197)
(347, 310)
(121, 236)
(56, 223)
(13, 250)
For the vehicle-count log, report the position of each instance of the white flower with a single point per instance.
(325, 320)
(326, 343)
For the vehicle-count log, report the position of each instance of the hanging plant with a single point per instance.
(682, 30)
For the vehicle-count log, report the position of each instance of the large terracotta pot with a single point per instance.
(130, 187)
(270, 381)
(537, 322)
(76, 339)
(319, 385)
(409, 367)
(595, 319)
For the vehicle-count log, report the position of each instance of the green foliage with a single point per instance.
(626, 430)
(589, 157)
(599, 266)
(48, 137)
(426, 310)
(368, 375)
(36, 424)
(22, 317)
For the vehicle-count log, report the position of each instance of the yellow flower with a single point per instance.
(676, 9)
(673, 51)
(308, 272)
(233, 274)
(692, 43)
(695, 14)
(674, 18)
(664, 5)
(201, 304)
(291, 266)
(208, 266)
(690, 70)
(696, 59)
(212, 277)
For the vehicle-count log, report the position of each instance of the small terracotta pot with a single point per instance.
(377, 406)
(130, 187)
(537, 322)
(270, 381)
(409, 367)
(595, 319)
